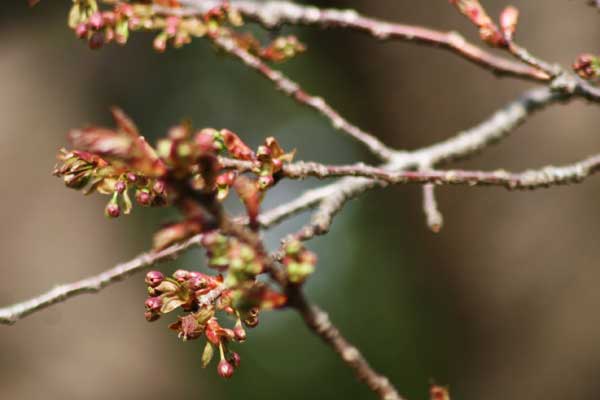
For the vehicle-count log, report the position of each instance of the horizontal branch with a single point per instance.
(274, 13)
(292, 89)
(530, 179)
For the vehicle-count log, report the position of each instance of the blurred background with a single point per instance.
(501, 304)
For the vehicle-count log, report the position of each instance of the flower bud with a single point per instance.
(160, 43)
(150, 316)
(234, 359)
(159, 187)
(96, 21)
(508, 22)
(81, 30)
(587, 66)
(225, 369)
(154, 278)
(112, 210)
(120, 187)
(96, 41)
(181, 275)
(143, 197)
(239, 332)
(153, 304)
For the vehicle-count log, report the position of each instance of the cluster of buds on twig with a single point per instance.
(280, 49)
(299, 262)
(587, 66)
(182, 170)
(490, 32)
(113, 162)
(201, 296)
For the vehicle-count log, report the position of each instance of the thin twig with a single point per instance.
(292, 89)
(318, 321)
(12, 314)
(434, 218)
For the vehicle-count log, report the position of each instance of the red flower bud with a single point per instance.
(120, 187)
(150, 316)
(96, 41)
(154, 278)
(234, 359)
(225, 369)
(96, 21)
(153, 304)
(143, 197)
(81, 30)
(112, 210)
(239, 332)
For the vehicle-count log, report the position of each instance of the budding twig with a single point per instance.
(462, 145)
(275, 13)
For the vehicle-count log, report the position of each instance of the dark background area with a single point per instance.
(502, 304)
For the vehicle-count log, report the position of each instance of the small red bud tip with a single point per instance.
(154, 278)
(153, 304)
(225, 369)
(112, 210)
(234, 359)
(81, 30)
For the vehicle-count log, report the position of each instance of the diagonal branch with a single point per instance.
(11, 314)
(292, 89)
(318, 321)
(275, 13)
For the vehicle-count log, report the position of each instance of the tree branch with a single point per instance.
(318, 321)
(466, 143)
(11, 314)
(274, 13)
(293, 90)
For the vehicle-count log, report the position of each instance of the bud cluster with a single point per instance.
(587, 66)
(299, 262)
(200, 296)
(488, 31)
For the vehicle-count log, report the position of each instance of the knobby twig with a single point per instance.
(318, 321)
